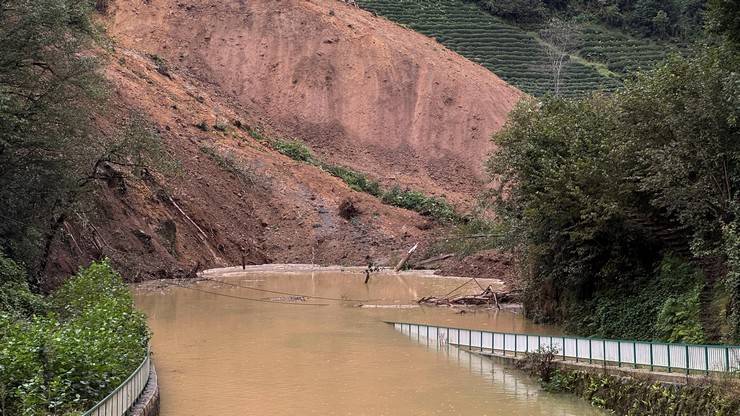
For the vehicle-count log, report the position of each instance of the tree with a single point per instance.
(48, 91)
(724, 19)
(51, 147)
(562, 38)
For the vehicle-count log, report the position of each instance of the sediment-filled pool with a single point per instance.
(224, 355)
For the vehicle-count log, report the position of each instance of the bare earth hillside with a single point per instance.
(360, 90)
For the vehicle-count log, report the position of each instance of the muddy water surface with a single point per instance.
(219, 355)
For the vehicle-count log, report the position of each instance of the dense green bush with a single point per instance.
(633, 397)
(65, 360)
(602, 193)
(16, 300)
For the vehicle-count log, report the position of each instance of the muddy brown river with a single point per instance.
(225, 355)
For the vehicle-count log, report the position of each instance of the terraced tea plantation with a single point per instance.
(621, 53)
(506, 50)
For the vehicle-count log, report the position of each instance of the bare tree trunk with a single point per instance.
(405, 258)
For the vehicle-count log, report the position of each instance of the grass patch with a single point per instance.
(355, 180)
(431, 206)
(294, 150)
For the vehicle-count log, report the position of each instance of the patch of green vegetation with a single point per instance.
(355, 180)
(160, 64)
(257, 134)
(431, 206)
(294, 149)
(435, 207)
(632, 396)
(65, 353)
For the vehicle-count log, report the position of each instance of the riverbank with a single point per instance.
(632, 392)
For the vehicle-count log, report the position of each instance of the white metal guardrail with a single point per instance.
(652, 355)
(120, 400)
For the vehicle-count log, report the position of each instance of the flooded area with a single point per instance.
(218, 353)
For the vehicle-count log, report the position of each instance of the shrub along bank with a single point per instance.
(63, 353)
(635, 396)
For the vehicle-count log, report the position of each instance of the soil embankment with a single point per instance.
(360, 90)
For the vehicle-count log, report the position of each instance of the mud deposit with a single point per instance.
(219, 355)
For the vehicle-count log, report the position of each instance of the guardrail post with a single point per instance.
(634, 353)
(651, 356)
(515, 337)
(603, 351)
(668, 353)
(706, 359)
(687, 360)
(727, 358)
(590, 355)
(576, 349)
(619, 353)
(539, 342)
(563, 348)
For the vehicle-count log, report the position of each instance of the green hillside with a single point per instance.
(520, 56)
(508, 51)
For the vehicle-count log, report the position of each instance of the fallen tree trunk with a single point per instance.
(487, 297)
(405, 258)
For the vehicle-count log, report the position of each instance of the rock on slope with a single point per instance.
(360, 90)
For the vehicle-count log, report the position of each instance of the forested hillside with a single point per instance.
(624, 209)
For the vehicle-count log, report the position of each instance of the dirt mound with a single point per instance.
(360, 90)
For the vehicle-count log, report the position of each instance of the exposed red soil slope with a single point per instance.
(203, 213)
(360, 90)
